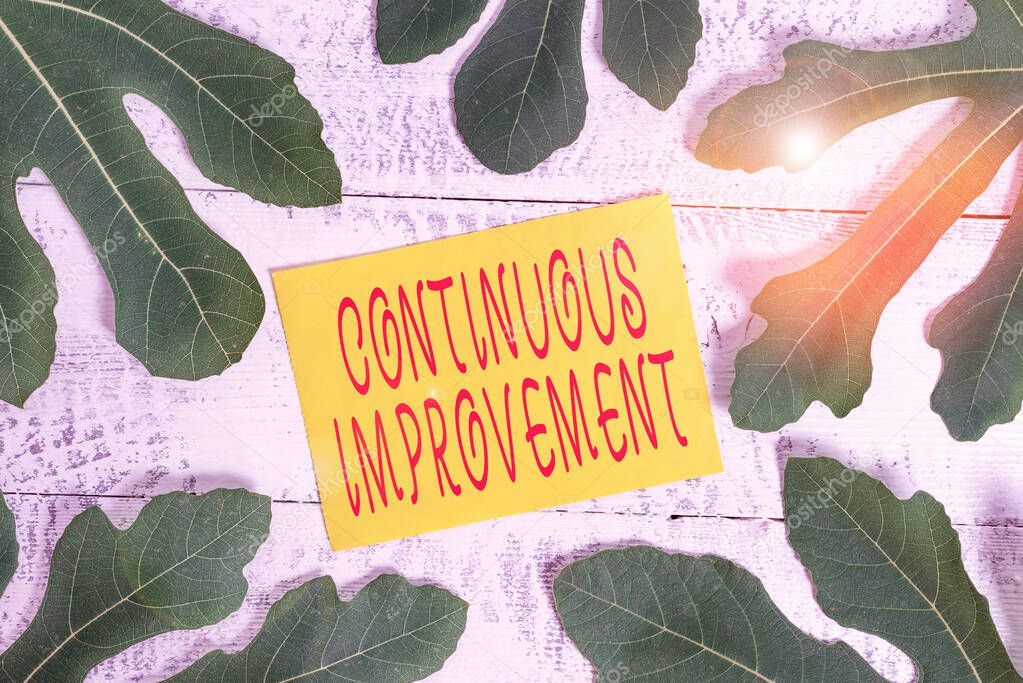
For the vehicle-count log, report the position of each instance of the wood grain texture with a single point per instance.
(102, 425)
(392, 127)
(504, 569)
(103, 431)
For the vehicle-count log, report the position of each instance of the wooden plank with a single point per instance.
(393, 131)
(504, 569)
(101, 425)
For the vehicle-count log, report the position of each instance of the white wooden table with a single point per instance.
(103, 432)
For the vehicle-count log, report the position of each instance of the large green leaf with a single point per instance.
(980, 335)
(391, 631)
(408, 30)
(651, 44)
(821, 320)
(642, 614)
(8, 545)
(886, 566)
(186, 303)
(178, 566)
(521, 94)
(892, 568)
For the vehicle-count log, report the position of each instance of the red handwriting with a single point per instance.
(558, 416)
(475, 322)
(487, 317)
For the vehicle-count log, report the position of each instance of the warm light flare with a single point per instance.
(801, 147)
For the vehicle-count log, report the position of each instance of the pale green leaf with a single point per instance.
(651, 44)
(408, 30)
(186, 303)
(521, 94)
(893, 568)
(980, 336)
(821, 320)
(28, 293)
(8, 545)
(390, 631)
(640, 614)
(178, 566)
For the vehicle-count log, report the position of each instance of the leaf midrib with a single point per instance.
(646, 45)
(126, 598)
(10, 349)
(327, 667)
(869, 89)
(994, 342)
(669, 631)
(59, 103)
(422, 8)
(923, 596)
(1019, 19)
(797, 343)
(529, 79)
(198, 84)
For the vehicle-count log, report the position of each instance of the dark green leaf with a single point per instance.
(8, 545)
(28, 293)
(980, 336)
(651, 44)
(179, 566)
(821, 320)
(408, 30)
(391, 631)
(186, 303)
(892, 568)
(521, 94)
(642, 614)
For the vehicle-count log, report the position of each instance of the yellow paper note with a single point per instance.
(508, 370)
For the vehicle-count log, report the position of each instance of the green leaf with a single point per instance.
(821, 320)
(409, 30)
(28, 293)
(179, 566)
(8, 545)
(893, 568)
(885, 566)
(642, 614)
(651, 44)
(980, 336)
(186, 303)
(521, 94)
(391, 631)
